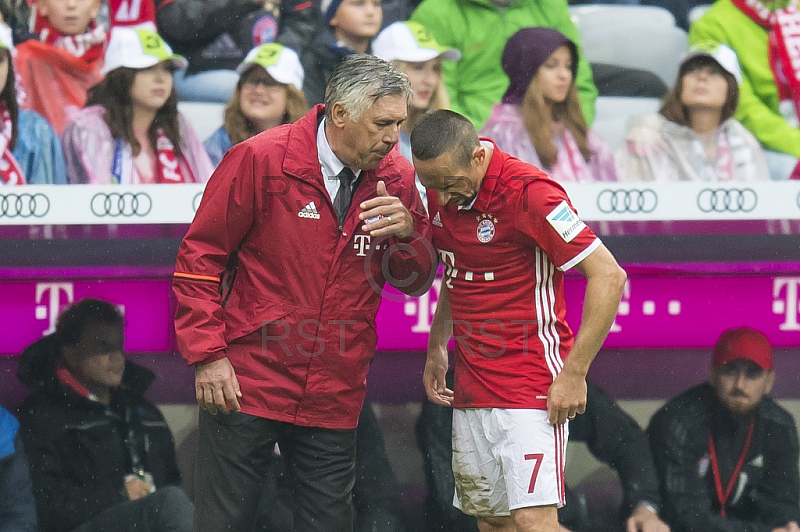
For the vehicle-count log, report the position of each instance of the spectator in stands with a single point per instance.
(30, 148)
(695, 137)
(539, 120)
(101, 457)
(480, 30)
(57, 70)
(725, 451)
(216, 35)
(769, 91)
(412, 49)
(612, 436)
(375, 492)
(351, 26)
(17, 15)
(131, 131)
(17, 505)
(269, 93)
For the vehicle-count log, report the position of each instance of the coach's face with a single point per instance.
(366, 141)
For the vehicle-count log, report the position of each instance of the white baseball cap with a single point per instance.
(6, 39)
(723, 55)
(280, 62)
(138, 48)
(412, 42)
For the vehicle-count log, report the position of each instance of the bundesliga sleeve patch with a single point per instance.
(565, 221)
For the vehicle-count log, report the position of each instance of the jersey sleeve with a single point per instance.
(546, 216)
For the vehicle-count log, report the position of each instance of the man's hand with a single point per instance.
(216, 387)
(643, 519)
(136, 487)
(566, 398)
(386, 215)
(791, 526)
(433, 378)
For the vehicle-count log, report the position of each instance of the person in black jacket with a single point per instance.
(101, 457)
(726, 453)
(611, 435)
(215, 36)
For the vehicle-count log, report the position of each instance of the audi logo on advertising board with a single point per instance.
(125, 204)
(627, 201)
(727, 200)
(24, 205)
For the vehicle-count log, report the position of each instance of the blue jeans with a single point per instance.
(207, 86)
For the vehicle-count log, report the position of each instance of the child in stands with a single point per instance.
(351, 26)
(540, 119)
(30, 149)
(695, 137)
(269, 93)
(131, 131)
(56, 71)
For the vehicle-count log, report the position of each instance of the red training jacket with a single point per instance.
(297, 320)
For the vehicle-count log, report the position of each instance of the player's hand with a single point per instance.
(566, 398)
(216, 387)
(136, 488)
(386, 215)
(645, 520)
(433, 378)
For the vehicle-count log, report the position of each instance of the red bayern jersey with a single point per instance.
(504, 260)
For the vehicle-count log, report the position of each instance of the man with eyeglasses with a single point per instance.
(726, 453)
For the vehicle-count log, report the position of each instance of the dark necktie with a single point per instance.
(345, 193)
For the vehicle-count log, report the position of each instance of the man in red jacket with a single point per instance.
(278, 282)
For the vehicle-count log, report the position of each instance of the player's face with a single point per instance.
(424, 78)
(451, 183)
(98, 360)
(741, 384)
(555, 75)
(370, 138)
(70, 17)
(262, 99)
(704, 85)
(358, 18)
(151, 87)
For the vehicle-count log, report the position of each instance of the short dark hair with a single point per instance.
(444, 131)
(73, 320)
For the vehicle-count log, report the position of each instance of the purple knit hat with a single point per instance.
(525, 52)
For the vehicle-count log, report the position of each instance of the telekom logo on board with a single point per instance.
(784, 292)
(48, 302)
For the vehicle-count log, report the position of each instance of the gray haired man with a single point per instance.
(306, 222)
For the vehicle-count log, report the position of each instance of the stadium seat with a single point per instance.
(614, 114)
(205, 117)
(641, 37)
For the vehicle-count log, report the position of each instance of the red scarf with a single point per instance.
(10, 172)
(132, 12)
(784, 45)
(167, 163)
(89, 45)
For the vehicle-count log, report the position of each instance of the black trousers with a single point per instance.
(166, 510)
(233, 456)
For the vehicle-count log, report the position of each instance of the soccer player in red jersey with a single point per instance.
(506, 233)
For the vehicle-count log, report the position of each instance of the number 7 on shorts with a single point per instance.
(538, 457)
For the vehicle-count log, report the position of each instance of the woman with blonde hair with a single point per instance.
(539, 120)
(269, 93)
(694, 137)
(412, 49)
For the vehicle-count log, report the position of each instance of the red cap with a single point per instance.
(746, 343)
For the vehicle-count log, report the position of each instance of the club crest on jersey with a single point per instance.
(486, 228)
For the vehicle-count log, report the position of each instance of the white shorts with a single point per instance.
(507, 458)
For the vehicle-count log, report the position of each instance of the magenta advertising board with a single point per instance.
(661, 307)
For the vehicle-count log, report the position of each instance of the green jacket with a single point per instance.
(758, 95)
(480, 30)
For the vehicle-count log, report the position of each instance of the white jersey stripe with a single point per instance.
(540, 309)
(553, 320)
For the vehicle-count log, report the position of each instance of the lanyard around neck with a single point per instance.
(723, 496)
